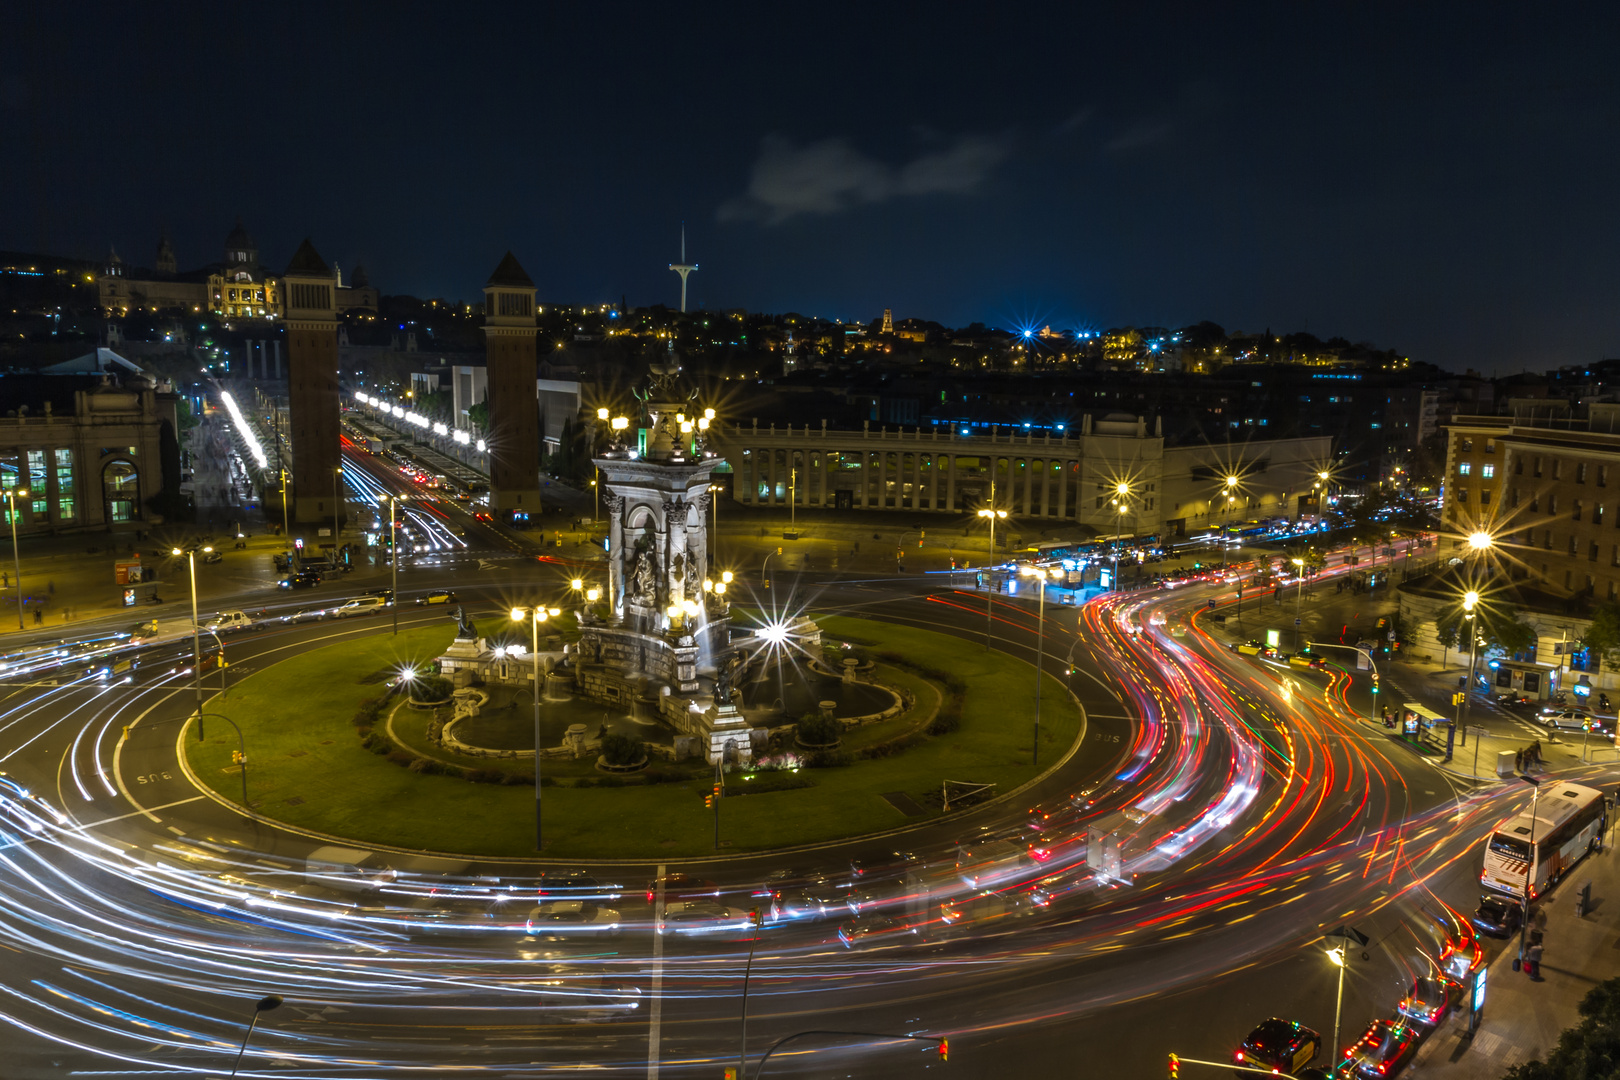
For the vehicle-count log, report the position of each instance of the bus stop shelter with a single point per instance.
(1417, 723)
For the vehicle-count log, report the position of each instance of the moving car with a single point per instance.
(810, 897)
(303, 579)
(226, 621)
(1576, 720)
(213, 557)
(1429, 1000)
(438, 596)
(572, 918)
(1383, 1050)
(1498, 916)
(1278, 1044)
(706, 917)
(885, 931)
(1249, 648)
(364, 605)
(308, 614)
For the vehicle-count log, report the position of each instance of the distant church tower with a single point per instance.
(514, 416)
(312, 381)
(888, 321)
(790, 358)
(165, 263)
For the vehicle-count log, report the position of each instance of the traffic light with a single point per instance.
(944, 1049)
(731, 1073)
(708, 801)
(920, 534)
(1175, 1067)
(238, 758)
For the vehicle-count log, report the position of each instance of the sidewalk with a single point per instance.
(1522, 1018)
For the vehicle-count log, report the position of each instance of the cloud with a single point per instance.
(1139, 137)
(831, 176)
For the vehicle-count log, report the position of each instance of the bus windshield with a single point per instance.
(1510, 847)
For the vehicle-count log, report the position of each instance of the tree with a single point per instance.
(1587, 1051)
(479, 414)
(1498, 627)
(1603, 635)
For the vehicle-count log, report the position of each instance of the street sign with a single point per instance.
(1296, 622)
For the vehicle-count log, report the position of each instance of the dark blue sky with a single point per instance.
(1436, 180)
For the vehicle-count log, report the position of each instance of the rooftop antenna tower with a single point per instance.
(683, 267)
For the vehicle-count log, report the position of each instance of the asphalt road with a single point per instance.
(141, 924)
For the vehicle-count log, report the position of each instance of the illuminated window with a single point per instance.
(1487, 471)
(37, 482)
(1465, 468)
(64, 484)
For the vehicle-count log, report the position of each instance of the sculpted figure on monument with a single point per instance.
(693, 577)
(643, 587)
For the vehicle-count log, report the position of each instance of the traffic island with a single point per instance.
(394, 787)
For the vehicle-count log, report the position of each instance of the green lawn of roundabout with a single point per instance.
(308, 768)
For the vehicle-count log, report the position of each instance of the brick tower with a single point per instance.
(312, 362)
(514, 408)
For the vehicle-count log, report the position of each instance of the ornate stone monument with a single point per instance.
(667, 623)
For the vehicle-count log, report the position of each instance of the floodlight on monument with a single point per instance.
(686, 427)
(703, 424)
(708, 586)
(720, 589)
(591, 595)
(708, 414)
(725, 577)
(620, 423)
(601, 414)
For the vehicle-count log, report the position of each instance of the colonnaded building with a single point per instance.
(1170, 489)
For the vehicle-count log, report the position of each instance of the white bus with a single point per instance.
(1568, 822)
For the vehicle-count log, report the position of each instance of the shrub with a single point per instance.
(431, 688)
(817, 730)
(369, 713)
(622, 749)
(515, 779)
(486, 776)
(401, 757)
(828, 759)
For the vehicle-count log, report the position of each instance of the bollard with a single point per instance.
(1583, 899)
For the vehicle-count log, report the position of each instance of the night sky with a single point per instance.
(1439, 183)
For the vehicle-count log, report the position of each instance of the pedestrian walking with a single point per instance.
(39, 616)
(1532, 961)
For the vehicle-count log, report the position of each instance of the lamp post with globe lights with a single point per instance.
(536, 615)
(196, 634)
(1230, 491)
(1479, 544)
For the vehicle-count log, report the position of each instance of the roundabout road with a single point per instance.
(141, 919)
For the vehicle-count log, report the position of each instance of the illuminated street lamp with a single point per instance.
(1231, 497)
(393, 551)
(196, 635)
(12, 495)
(1040, 574)
(536, 615)
(1122, 493)
(1340, 961)
(989, 571)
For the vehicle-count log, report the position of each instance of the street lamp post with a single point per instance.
(536, 615)
(1299, 592)
(990, 514)
(196, 635)
(1039, 574)
(1122, 494)
(264, 1005)
(393, 552)
(337, 476)
(12, 495)
(1478, 544)
(1530, 866)
(1340, 960)
(1231, 497)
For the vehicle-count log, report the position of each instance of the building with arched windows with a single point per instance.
(92, 450)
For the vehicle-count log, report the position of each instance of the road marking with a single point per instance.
(655, 1016)
(135, 813)
(118, 755)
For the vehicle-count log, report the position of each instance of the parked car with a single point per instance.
(1513, 700)
(1278, 1044)
(1498, 916)
(1574, 720)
